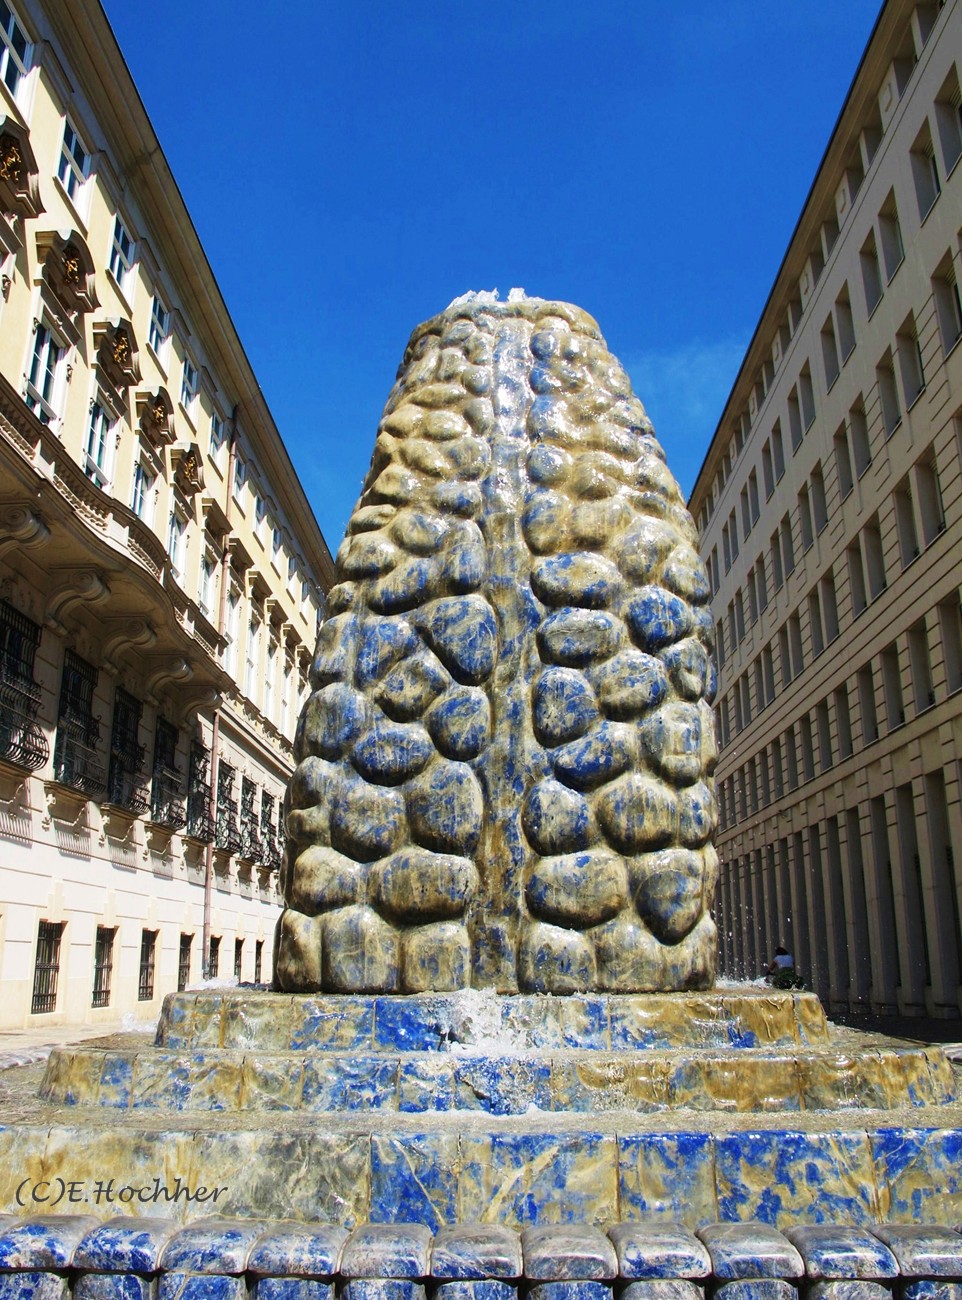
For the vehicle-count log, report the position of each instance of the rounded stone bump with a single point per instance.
(556, 819)
(298, 952)
(552, 959)
(435, 958)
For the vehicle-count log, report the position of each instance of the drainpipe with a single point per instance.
(215, 729)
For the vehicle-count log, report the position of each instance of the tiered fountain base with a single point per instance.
(456, 1108)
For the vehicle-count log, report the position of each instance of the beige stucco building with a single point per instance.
(830, 508)
(161, 572)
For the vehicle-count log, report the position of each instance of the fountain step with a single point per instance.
(440, 1022)
(577, 1081)
(853, 1167)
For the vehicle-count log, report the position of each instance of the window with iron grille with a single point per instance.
(21, 740)
(126, 783)
(251, 847)
(228, 835)
(166, 794)
(148, 953)
(213, 964)
(258, 959)
(238, 957)
(76, 762)
(103, 966)
(183, 962)
(198, 793)
(47, 967)
(270, 855)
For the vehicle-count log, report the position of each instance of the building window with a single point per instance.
(945, 291)
(277, 541)
(148, 956)
(232, 630)
(260, 514)
(227, 832)
(258, 959)
(74, 166)
(126, 776)
(213, 963)
(176, 543)
(948, 118)
(861, 445)
(46, 968)
(22, 741)
(159, 331)
(98, 445)
(830, 357)
(240, 479)
(238, 958)
(141, 501)
(843, 463)
(188, 384)
(905, 523)
(208, 585)
(893, 251)
(43, 382)
(888, 394)
(198, 794)
(121, 256)
(217, 435)
(846, 324)
(910, 361)
(925, 172)
(103, 966)
(75, 758)
(14, 50)
(929, 498)
(183, 962)
(166, 794)
(871, 274)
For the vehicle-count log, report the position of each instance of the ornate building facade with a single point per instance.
(161, 572)
(830, 508)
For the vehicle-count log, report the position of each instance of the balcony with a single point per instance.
(227, 836)
(167, 804)
(127, 780)
(271, 857)
(75, 760)
(199, 822)
(251, 847)
(22, 742)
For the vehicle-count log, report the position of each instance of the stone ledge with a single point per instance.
(133, 1257)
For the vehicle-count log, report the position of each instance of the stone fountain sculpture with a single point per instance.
(505, 774)
(503, 793)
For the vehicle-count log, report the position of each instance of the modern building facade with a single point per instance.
(161, 572)
(830, 509)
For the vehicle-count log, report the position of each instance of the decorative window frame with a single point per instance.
(155, 416)
(66, 274)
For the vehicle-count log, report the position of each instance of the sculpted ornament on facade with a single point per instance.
(505, 767)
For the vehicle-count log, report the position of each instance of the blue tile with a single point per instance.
(382, 1288)
(919, 1174)
(652, 1251)
(929, 1289)
(124, 1245)
(768, 1288)
(293, 1249)
(750, 1250)
(774, 1176)
(293, 1288)
(32, 1286)
(350, 1083)
(567, 1254)
(112, 1286)
(344, 1023)
(923, 1251)
(418, 1024)
(481, 1289)
(667, 1177)
(379, 1251)
(414, 1179)
(46, 1241)
(502, 1085)
(833, 1251)
(586, 1290)
(116, 1080)
(191, 1286)
(426, 1083)
(476, 1251)
(663, 1289)
(211, 1246)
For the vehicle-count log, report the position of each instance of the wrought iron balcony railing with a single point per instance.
(251, 848)
(22, 742)
(127, 779)
(199, 822)
(227, 833)
(167, 804)
(272, 853)
(75, 759)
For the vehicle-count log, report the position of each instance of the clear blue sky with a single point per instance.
(352, 167)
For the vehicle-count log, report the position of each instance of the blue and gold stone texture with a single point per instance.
(505, 764)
